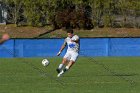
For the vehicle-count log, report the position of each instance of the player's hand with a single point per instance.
(58, 54)
(72, 41)
(5, 37)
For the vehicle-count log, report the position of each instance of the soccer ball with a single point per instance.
(45, 62)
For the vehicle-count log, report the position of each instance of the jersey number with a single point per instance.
(71, 45)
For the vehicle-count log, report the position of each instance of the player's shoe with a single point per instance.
(60, 74)
(58, 70)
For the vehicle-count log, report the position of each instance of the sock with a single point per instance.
(60, 66)
(66, 69)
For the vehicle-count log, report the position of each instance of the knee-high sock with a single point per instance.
(60, 66)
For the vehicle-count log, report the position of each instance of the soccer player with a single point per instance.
(4, 38)
(72, 41)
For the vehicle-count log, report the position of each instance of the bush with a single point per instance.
(72, 18)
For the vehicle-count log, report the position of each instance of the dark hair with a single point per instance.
(70, 31)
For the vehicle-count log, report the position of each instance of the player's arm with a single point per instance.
(2, 41)
(4, 38)
(62, 48)
(76, 39)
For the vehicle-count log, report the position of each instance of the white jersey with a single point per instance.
(72, 46)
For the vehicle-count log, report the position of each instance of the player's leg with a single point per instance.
(66, 68)
(70, 64)
(64, 61)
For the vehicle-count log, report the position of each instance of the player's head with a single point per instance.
(70, 32)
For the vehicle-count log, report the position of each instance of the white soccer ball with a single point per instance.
(45, 62)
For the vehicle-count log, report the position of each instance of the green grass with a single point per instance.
(106, 75)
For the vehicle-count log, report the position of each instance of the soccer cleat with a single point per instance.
(58, 70)
(62, 72)
(59, 75)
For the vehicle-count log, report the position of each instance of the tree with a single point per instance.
(99, 12)
(14, 7)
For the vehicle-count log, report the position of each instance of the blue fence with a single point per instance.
(88, 47)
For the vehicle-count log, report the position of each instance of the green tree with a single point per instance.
(14, 7)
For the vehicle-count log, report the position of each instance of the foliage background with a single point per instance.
(85, 14)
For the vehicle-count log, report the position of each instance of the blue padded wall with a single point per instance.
(88, 47)
(7, 49)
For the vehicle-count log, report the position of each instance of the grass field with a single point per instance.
(105, 75)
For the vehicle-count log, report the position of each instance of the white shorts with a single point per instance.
(71, 56)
